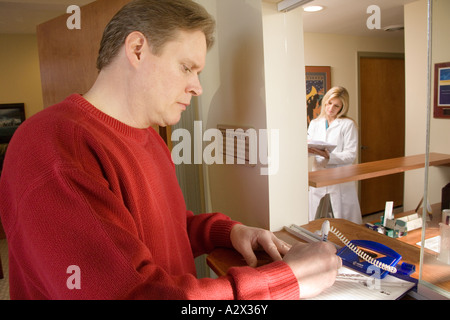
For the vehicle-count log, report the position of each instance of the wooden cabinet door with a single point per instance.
(68, 57)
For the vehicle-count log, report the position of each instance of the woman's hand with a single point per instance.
(323, 153)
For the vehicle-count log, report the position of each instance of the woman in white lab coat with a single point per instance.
(334, 127)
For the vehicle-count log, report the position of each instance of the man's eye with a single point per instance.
(186, 69)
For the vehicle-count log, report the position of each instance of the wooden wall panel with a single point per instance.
(68, 57)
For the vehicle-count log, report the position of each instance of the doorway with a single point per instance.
(382, 126)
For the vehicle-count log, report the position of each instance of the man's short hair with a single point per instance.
(158, 20)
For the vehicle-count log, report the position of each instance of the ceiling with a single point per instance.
(350, 17)
(340, 16)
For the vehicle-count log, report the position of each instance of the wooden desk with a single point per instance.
(432, 229)
(1, 269)
(374, 169)
(220, 260)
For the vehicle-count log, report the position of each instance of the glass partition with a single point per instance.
(424, 45)
(435, 241)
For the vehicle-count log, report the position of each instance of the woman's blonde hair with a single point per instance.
(158, 20)
(336, 92)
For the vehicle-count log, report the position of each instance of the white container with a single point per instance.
(446, 216)
(444, 246)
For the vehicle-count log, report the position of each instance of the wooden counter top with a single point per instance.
(435, 272)
(374, 169)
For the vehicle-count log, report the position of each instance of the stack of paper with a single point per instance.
(321, 145)
(352, 285)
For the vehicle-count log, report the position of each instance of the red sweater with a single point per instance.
(81, 188)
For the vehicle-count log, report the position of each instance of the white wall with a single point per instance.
(439, 128)
(286, 111)
(234, 80)
(416, 97)
(341, 53)
(251, 81)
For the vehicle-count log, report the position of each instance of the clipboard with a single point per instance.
(353, 284)
(321, 145)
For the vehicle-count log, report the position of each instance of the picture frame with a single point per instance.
(12, 115)
(318, 82)
(442, 90)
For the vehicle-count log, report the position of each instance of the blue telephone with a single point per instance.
(361, 255)
(368, 253)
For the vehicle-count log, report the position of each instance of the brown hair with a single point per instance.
(158, 20)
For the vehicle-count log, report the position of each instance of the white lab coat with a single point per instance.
(344, 199)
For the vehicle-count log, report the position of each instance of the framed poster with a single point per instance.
(11, 116)
(318, 82)
(442, 90)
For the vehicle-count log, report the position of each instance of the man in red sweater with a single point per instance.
(89, 198)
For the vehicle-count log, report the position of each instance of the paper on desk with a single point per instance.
(321, 145)
(432, 243)
(369, 288)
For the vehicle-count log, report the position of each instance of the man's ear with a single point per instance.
(135, 43)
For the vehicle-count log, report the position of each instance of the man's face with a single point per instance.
(167, 82)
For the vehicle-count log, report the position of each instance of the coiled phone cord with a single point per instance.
(361, 253)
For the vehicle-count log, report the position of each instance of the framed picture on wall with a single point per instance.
(318, 82)
(442, 90)
(11, 116)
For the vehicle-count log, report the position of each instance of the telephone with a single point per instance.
(361, 255)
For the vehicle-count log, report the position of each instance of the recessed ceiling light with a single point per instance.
(313, 8)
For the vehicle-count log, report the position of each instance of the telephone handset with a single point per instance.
(361, 255)
(385, 258)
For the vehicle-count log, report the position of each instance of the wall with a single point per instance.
(440, 128)
(286, 112)
(232, 82)
(416, 96)
(248, 85)
(20, 78)
(344, 58)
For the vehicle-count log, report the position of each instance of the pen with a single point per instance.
(325, 230)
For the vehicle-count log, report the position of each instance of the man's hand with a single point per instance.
(315, 265)
(248, 239)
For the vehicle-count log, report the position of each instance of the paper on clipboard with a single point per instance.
(321, 145)
(364, 287)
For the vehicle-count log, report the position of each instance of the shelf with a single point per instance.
(374, 169)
